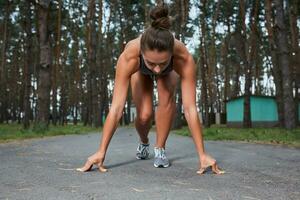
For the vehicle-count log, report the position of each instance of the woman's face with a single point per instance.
(157, 61)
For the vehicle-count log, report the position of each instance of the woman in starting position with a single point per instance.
(155, 55)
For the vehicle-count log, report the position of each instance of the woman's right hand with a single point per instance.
(97, 159)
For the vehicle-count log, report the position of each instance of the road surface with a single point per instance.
(44, 169)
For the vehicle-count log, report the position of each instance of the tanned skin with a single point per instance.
(128, 73)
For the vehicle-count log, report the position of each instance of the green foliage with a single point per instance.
(256, 135)
(15, 131)
(40, 127)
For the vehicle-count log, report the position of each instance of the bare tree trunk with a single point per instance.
(236, 79)
(57, 65)
(99, 60)
(44, 82)
(203, 66)
(3, 82)
(283, 55)
(182, 7)
(78, 91)
(213, 82)
(247, 54)
(225, 63)
(65, 88)
(247, 67)
(204, 97)
(92, 83)
(106, 61)
(27, 64)
(75, 115)
(63, 92)
(276, 69)
(295, 57)
(13, 75)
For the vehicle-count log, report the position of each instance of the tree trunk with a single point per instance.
(295, 56)
(44, 83)
(27, 64)
(106, 61)
(3, 77)
(225, 63)
(100, 65)
(92, 82)
(63, 98)
(247, 54)
(247, 68)
(12, 86)
(213, 82)
(276, 69)
(203, 66)
(182, 7)
(64, 95)
(78, 88)
(283, 55)
(57, 65)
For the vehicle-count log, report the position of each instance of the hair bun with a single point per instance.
(160, 17)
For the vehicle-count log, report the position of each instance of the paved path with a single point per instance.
(44, 169)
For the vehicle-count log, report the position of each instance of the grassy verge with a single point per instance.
(10, 132)
(256, 135)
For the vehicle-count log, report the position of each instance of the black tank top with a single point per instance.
(146, 71)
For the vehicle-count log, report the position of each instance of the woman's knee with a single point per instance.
(144, 118)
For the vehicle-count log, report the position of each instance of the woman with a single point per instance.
(156, 55)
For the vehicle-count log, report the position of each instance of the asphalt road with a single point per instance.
(45, 169)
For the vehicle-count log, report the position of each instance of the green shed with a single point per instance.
(263, 111)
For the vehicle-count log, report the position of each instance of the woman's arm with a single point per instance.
(127, 64)
(122, 79)
(188, 88)
(186, 68)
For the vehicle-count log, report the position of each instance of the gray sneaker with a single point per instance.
(160, 159)
(142, 151)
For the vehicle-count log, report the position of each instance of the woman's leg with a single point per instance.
(142, 89)
(164, 114)
(142, 93)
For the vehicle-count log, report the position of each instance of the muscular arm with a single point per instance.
(126, 66)
(185, 67)
(187, 70)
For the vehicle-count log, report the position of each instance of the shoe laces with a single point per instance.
(160, 153)
(142, 147)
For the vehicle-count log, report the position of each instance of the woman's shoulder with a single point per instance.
(180, 49)
(132, 49)
(129, 58)
(183, 60)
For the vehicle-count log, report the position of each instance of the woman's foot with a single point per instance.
(142, 151)
(97, 159)
(208, 162)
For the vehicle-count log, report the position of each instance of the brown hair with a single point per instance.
(157, 36)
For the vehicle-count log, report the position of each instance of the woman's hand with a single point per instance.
(206, 162)
(97, 159)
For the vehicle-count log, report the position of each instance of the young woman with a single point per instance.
(156, 55)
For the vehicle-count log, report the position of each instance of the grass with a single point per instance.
(257, 135)
(15, 131)
(279, 136)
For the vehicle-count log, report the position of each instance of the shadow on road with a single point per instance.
(121, 163)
